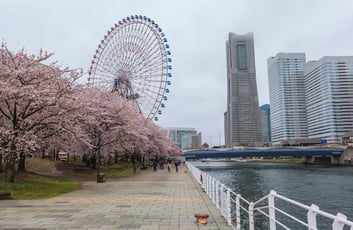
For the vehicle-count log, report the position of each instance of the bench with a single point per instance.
(5, 195)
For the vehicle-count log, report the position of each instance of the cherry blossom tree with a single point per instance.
(31, 99)
(120, 127)
(41, 107)
(104, 115)
(158, 144)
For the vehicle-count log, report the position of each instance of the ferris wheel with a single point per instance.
(134, 61)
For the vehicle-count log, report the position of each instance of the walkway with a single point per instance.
(150, 200)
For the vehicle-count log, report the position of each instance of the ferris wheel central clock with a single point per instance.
(133, 60)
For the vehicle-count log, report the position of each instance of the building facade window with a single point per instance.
(241, 56)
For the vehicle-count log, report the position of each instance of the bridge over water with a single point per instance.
(324, 155)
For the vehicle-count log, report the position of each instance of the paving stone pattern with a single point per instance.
(148, 201)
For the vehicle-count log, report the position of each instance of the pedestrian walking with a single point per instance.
(161, 164)
(154, 165)
(176, 163)
(168, 165)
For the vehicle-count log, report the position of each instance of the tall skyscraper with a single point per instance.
(242, 119)
(329, 97)
(287, 97)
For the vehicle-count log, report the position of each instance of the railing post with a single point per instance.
(337, 223)
(217, 194)
(201, 179)
(272, 210)
(224, 201)
(207, 184)
(213, 190)
(228, 208)
(237, 210)
(312, 225)
(211, 187)
(251, 216)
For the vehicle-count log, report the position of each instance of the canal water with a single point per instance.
(329, 187)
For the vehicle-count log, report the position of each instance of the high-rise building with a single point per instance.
(329, 97)
(265, 124)
(242, 119)
(287, 97)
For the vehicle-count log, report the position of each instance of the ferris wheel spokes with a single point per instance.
(133, 60)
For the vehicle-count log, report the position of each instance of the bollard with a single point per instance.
(201, 218)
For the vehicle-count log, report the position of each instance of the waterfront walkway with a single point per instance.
(150, 200)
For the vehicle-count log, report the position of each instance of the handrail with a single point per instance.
(240, 213)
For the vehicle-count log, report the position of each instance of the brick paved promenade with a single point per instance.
(150, 200)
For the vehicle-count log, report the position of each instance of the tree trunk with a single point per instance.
(126, 157)
(10, 167)
(1, 164)
(134, 162)
(10, 170)
(22, 162)
(93, 160)
(116, 157)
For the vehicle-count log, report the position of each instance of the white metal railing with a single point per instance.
(242, 214)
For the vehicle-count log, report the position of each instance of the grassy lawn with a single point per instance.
(30, 185)
(119, 170)
(78, 169)
(39, 165)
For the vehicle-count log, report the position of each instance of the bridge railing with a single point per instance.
(270, 212)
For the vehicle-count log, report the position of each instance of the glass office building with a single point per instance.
(186, 138)
(329, 97)
(287, 97)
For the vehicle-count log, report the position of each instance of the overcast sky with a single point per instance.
(196, 30)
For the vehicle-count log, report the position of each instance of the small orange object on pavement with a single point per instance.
(201, 218)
